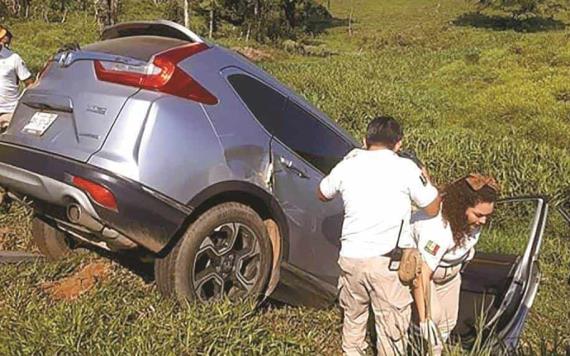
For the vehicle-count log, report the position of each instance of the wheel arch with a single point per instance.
(261, 201)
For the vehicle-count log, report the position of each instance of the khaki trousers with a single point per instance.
(5, 119)
(368, 281)
(444, 291)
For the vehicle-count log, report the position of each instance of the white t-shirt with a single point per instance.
(377, 189)
(434, 240)
(12, 71)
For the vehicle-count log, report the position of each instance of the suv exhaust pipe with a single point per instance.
(114, 239)
(76, 215)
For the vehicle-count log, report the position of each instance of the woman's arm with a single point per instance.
(420, 291)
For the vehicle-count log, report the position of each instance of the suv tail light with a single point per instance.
(97, 192)
(162, 74)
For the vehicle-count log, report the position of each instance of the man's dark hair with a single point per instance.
(385, 131)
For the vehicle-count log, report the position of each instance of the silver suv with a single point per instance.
(156, 141)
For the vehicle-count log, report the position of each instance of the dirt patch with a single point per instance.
(253, 54)
(71, 287)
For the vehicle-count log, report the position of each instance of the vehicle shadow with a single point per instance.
(321, 25)
(134, 261)
(318, 19)
(507, 23)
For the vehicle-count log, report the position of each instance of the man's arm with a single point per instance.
(321, 196)
(432, 209)
(329, 186)
(423, 193)
(23, 72)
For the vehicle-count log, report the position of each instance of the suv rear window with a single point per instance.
(140, 47)
(264, 103)
(298, 129)
(310, 139)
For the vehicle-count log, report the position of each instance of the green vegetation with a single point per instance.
(476, 92)
(524, 7)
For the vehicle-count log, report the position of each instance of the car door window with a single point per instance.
(264, 103)
(311, 139)
(510, 228)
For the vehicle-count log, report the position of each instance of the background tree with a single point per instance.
(106, 12)
(186, 13)
(261, 20)
(523, 7)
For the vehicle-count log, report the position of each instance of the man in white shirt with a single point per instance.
(377, 188)
(13, 70)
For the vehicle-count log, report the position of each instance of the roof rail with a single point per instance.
(161, 28)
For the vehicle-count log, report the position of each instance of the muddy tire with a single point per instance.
(51, 242)
(225, 253)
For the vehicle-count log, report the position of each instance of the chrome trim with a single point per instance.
(43, 188)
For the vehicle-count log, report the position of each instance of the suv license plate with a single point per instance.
(39, 123)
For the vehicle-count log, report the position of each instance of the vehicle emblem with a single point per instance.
(66, 58)
(97, 109)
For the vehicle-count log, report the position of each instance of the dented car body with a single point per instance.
(136, 142)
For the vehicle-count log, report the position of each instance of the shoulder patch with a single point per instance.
(431, 248)
(423, 179)
(352, 154)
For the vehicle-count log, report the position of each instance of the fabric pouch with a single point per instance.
(410, 266)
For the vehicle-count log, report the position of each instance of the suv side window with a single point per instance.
(296, 128)
(311, 139)
(265, 103)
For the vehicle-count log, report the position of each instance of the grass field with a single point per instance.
(476, 91)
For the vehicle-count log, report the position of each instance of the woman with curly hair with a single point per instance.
(445, 242)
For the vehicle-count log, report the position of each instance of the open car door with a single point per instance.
(500, 283)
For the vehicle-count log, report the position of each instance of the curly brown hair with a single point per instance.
(460, 195)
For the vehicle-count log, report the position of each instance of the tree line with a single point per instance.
(255, 19)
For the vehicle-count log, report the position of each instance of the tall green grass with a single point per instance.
(474, 93)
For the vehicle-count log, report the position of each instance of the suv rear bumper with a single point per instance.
(144, 216)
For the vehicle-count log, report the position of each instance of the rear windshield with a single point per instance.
(138, 47)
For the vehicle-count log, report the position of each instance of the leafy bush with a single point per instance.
(521, 7)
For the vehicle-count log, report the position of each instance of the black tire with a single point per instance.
(51, 242)
(226, 252)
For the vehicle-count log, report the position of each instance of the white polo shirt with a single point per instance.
(435, 242)
(12, 71)
(377, 189)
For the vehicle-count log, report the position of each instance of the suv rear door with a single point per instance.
(303, 150)
(500, 283)
(70, 111)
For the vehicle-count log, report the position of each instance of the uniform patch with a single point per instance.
(352, 154)
(431, 247)
(423, 179)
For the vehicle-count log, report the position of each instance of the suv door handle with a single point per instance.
(289, 165)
